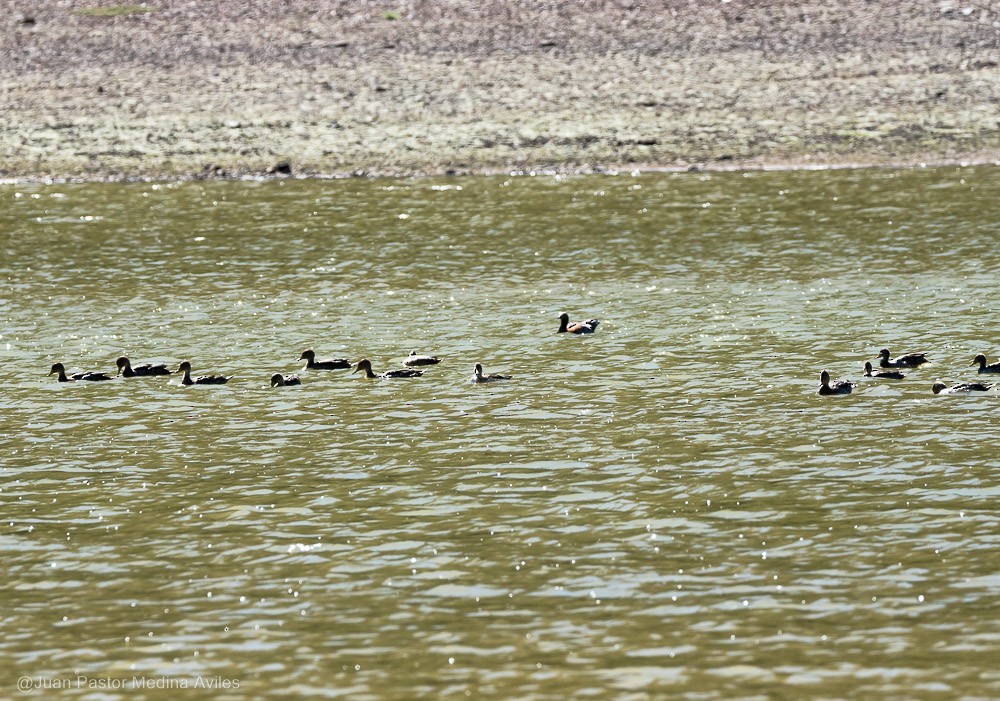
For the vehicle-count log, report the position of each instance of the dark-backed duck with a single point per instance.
(60, 370)
(910, 360)
(835, 387)
(579, 327)
(309, 356)
(279, 380)
(126, 369)
(365, 365)
(413, 360)
(883, 374)
(478, 377)
(940, 387)
(983, 367)
(185, 367)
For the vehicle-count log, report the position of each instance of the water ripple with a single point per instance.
(665, 508)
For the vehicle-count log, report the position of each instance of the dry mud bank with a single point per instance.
(179, 88)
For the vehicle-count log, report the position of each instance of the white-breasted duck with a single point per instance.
(365, 365)
(309, 356)
(939, 387)
(478, 377)
(279, 380)
(185, 367)
(826, 386)
(60, 370)
(882, 374)
(910, 360)
(579, 327)
(414, 359)
(126, 369)
(983, 367)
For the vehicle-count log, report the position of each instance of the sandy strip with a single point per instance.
(214, 88)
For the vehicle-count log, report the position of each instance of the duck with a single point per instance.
(835, 387)
(883, 374)
(126, 369)
(60, 370)
(185, 367)
(309, 355)
(279, 380)
(478, 377)
(939, 387)
(579, 327)
(911, 360)
(413, 360)
(983, 367)
(366, 365)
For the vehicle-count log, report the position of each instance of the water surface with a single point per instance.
(664, 508)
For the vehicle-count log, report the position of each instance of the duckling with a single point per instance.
(185, 367)
(412, 360)
(279, 380)
(836, 387)
(983, 367)
(579, 327)
(939, 387)
(146, 370)
(366, 365)
(883, 374)
(60, 370)
(478, 377)
(911, 360)
(309, 356)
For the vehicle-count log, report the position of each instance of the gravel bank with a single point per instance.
(421, 86)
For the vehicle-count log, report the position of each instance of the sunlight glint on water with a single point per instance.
(665, 506)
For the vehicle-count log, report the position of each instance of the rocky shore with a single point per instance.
(96, 90)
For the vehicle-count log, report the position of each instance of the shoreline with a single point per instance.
(642, 169)
(335, 88)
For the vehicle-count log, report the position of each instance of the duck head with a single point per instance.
(364, 365)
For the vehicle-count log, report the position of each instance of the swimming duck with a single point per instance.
(412, 360)
(579, 327)
(835, 387)
(910, 360)
(185, 367)
(983, 367)
(939, 387)
(146, 370)
(478, 377)
(309, 356)
(279, 380)
(883, 374)
(60, 370)
(366, 365)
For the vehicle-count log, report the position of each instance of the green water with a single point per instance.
(664, 509)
